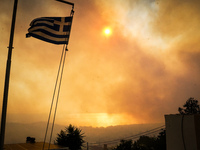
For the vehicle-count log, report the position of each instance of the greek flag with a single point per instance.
(54, 30)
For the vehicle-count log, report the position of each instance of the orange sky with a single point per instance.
(147, 67)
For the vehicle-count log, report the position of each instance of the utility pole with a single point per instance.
(7, 78)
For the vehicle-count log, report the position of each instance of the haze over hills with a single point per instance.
(17, 132)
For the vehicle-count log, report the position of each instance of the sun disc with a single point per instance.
(107, 31)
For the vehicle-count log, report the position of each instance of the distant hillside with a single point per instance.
(17, 132)
(116, 132)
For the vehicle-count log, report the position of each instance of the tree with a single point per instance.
(191, 107)
(71, 138)
(161, 141)
(124, 145)
(144, 143)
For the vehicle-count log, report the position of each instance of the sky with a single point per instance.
(147, 67)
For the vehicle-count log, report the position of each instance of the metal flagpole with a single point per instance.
(7, 78)
(59, 72)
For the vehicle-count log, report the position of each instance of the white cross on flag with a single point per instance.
(54, 30)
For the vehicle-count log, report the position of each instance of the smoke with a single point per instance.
(148, 67)
(162, 67)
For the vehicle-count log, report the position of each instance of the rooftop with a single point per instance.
(32, 146)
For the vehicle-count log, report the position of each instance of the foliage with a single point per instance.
(161, 141)
(124, 145)
(71, 138)
(30, 139)
(190, 107)
(144, 143)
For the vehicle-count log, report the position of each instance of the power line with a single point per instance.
(132, 136)
(136, 136)
(146, 132)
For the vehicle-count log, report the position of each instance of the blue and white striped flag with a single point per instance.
(54, 30)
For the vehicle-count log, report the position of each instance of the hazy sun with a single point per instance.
(107, 31)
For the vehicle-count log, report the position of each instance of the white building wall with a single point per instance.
(182, 132)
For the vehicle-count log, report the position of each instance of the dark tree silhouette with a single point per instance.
(190, 107)
(144, 143)
(124, 145)
(161, 141)
(71, 138)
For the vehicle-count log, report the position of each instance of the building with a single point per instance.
(32, 146)
(182, 132)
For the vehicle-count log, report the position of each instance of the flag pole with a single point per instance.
(61, 61)
(7, 77)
